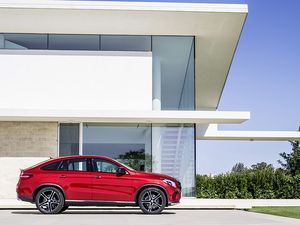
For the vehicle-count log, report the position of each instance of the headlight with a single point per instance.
(169, 182)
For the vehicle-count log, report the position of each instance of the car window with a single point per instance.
(52, 166)
(63, 165)
(77, 165)
(105, 166)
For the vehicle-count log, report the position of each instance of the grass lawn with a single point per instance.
(289, 211)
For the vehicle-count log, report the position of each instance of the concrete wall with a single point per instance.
(28, 139)
(23, 144)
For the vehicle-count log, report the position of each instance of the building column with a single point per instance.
(156, 106)
(156, 85)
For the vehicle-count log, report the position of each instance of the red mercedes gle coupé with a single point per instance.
(58, 183)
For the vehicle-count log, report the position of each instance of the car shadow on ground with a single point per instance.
(93, 211)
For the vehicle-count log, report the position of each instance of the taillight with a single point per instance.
(25, 175)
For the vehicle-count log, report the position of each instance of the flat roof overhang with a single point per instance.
(211, 132)
(252, 136)
(216, 27)
(162, 117)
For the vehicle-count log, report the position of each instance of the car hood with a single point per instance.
(156, 176)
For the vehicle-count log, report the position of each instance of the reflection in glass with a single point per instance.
(173, 153)
(68, 139)
(125, 43)
(128, 143)
(73, 42)
(174, 55)
(23, 41)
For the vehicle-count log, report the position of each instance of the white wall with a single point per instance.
(10, 172)
(35, 79)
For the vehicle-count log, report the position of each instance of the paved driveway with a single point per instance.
(135, 217)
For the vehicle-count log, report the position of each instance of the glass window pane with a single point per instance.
(125, 43)
(63, 165)
(105, 166)
(52, 166)
(68, 139)
(173, 63)
(77, 165)
(173, 154)
(23, 41)
(74, 42)
(128, 143)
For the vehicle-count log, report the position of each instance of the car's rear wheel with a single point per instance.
(152, 200)
(50, 200)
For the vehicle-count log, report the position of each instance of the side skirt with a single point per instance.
(99, 203)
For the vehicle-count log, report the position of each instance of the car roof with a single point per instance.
(79, 157)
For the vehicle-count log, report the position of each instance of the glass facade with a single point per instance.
(173, 58)
(125, 43)
(163, 148)
(128, 143)
(173, 153)
(69, 139)
(73, 42)
(160, 148)
(85, 42)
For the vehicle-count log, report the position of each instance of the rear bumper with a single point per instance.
(25, 199)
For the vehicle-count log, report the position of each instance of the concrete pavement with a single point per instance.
(189, 203)
(122, 216)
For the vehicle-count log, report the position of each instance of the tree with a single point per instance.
(238, 168)
(291, 161)
(136, 159)
(262, 166)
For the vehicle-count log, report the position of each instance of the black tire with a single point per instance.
(152, 200)
(64, 208)
(50, 200)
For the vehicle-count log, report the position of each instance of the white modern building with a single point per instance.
(138, 82)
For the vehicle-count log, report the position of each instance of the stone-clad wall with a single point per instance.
(28, 139)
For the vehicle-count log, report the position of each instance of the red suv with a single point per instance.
(58, 183)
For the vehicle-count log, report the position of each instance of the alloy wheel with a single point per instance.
(49, 200)
(152, 200)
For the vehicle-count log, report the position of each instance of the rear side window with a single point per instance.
(68, 165)
(63, 165)
(52, 166)
(78, 165)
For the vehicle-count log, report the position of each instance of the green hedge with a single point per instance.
(263, 184)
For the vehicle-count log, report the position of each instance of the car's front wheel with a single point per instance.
(152, 200)
(50, 200)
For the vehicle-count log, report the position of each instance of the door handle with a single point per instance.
(98, 177)
(62, 176)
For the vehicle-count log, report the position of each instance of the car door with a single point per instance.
(108, 185)
(75, 177)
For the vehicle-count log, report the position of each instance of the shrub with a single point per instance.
(262, 182)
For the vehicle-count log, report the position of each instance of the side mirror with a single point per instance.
(121, 171)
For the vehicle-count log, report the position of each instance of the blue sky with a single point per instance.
(264, 78)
